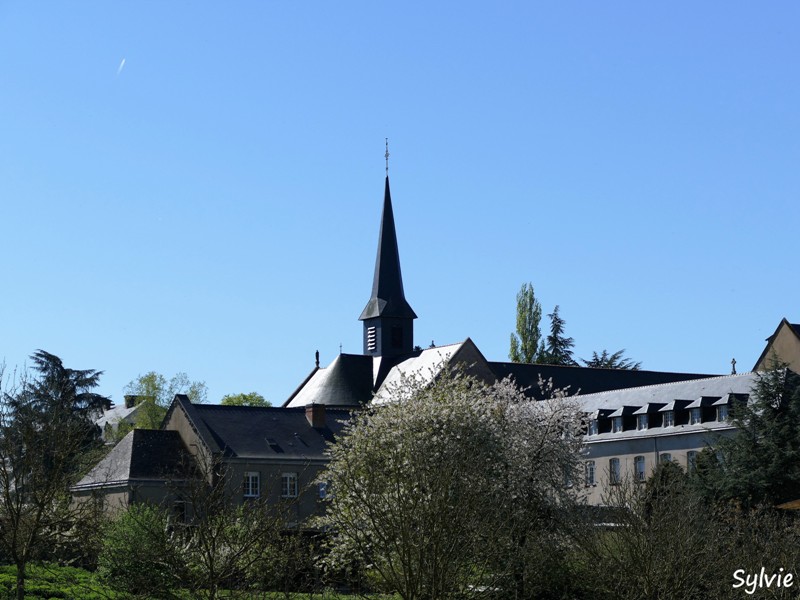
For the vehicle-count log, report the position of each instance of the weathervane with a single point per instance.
(387, 157)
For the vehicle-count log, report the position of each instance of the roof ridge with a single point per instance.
(666, 383)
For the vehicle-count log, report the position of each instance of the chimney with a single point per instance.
(315, 415)
(131, 400)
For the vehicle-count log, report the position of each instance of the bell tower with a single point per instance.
(388, 318)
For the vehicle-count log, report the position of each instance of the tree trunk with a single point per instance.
(20, 581)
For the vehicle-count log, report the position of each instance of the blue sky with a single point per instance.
(212, 204)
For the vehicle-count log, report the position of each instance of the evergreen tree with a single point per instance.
(558, 350)
(47, 438)
(58, 387)
(760, 464)
(617, 360)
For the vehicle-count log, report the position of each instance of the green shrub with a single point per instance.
(138, 555)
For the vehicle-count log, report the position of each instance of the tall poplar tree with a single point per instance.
(526, 343)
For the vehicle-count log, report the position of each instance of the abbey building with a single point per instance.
(635, 419)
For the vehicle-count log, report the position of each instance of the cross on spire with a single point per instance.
(387, 157)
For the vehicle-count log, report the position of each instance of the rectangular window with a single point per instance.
(691, 460)
(322, 490)
(695, 416)
(590, 472)
(616, 424)
(638, 463)
(722, 413)
(593, 429)
(641, 422)
(289, 485)
(252, 484)
(613, 471)
(665, 457)
(669, 418)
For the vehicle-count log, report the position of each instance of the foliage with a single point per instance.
(139, 556)
(526, 343)
(47, 439)
(449, 485)
(558, 349)
(58, 388)
(251, 399)
(155, 386)
(155, 393)
(760, 463)
(617, 360)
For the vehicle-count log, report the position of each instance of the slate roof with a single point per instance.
(142, 455)
(667, 393)
(352, 380)
(585, 380)
(115, 414)
(348, 381)
(388, 298)
(259, 432)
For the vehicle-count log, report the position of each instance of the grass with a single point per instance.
(49, 582)
(46, 582)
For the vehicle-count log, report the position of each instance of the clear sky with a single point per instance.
(196, 186)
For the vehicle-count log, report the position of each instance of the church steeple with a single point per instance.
(388, 318)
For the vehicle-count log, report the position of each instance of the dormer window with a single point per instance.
(593, 427)
(695, 416)
(641, 422)
(616, 425)
(669, 418)
(722, 413)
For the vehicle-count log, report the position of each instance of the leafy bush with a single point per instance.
(138, 555)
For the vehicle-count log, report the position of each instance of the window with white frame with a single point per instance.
(669, 418)
(322, 490)
(616, 424)
(695, 416)
(722, 413)
(641, 422)
(289, 485)
(252, 484)
(691, 460)
(614, 472)
(590, 480)
(638, 468)
(593, 428)
(665, 457)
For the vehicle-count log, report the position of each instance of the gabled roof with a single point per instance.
(354, 380)
(583, 380)
(388, 298)
(427, 364)
(142, 455)
(264, 432)
(793, 328)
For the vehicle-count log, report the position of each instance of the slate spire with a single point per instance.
(388, 318)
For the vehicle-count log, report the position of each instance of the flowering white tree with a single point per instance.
(446, 487)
